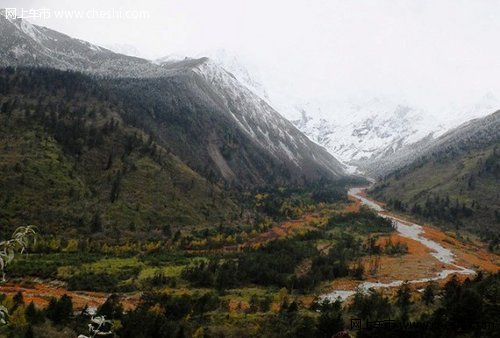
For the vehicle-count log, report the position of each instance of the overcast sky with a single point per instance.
(431, 53)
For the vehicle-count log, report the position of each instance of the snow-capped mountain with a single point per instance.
(350, 131)
(196, 107)
(359, 134)
(245, 73)
(470, 136)
(362, 132)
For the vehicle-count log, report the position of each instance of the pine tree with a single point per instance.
(403, 300)
(428, 295)
(29, 332)
(61, 310)
(18, 300)
(33, 316)
(96, 225)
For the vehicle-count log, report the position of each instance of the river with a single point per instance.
(409, 230)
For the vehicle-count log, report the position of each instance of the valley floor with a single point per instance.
(433, 254)
(297, 261)
(417, 266)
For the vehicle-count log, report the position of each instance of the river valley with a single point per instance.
(412, 231)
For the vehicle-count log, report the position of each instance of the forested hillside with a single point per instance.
(455, 182)
(70, 161)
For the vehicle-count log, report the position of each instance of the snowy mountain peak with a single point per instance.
(245, 72)
(364, 130)
(368, 130)
(362, 127)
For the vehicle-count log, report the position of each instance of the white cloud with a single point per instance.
(431, 53)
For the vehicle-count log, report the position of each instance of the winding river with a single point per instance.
(409, 230)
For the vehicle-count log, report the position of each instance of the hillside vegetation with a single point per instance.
(453, 186)
(68, 160)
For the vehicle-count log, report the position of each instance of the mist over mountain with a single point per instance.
(136, 144)
(360, 129)
(365, 128)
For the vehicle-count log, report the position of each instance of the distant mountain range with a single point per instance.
(471, 135)
(373, 130)
(361, 134)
